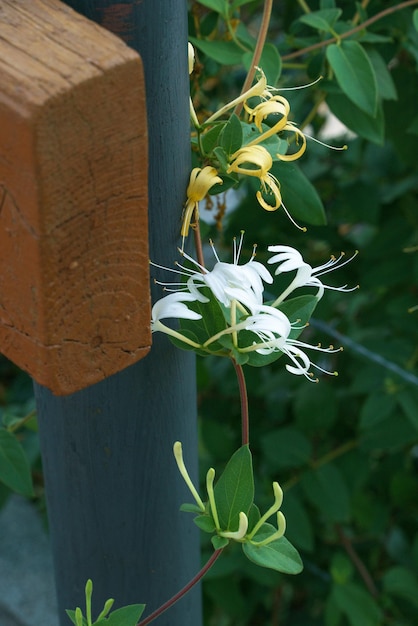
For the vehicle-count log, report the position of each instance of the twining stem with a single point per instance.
(304, 6)
(360, 566)
(198, 241)
(18, 424)
(323, 460)
(261, 39)
(245, 422)
(348, 33)
(356, 17)
(183, 591)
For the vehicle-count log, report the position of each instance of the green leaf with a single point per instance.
(212, 322)
(408, 401)
(376, 408)
(270, 63)
(299, 195)
(220, 6)
(299, 308)
(322, 20)
(357, 605)
(222, 157)
(279, 555)
(415, 19)
(299, 524)
(210, 137)
(341, 568)
(205, 523)
(190, 508)
(367, 126)
(326, 489)
(239, 3)
(231, 137)
(385, 85)
(223, 52)
(71, 615)
(286, 448)
(403, 583)
(234, 491)
(126, 616)
(219, 542)
(355, 74)
(14, 467)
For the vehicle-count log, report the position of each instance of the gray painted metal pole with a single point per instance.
(113, 492)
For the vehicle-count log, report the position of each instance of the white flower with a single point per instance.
(273, 328)
(231, 282)
(228, 281)
(290, 260)
(172, 306)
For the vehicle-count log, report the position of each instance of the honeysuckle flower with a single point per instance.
(178, 455)
(191, 57)
(258, 161)
(237, 535)
(172, 306)
(228, 281)
(201, 181)
(258, 89)
(290, 260)
(273, 328)
(281, 521)
(242, 534)
(240, 290)
(276, 105)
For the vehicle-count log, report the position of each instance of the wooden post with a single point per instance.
(74, 292)
(113, 492)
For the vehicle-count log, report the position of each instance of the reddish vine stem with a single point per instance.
(245, 422)
(198, 242)
(361, 568)
(183, 591)
(348, 33)
(261, 39)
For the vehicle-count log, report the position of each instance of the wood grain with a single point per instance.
(74, 284)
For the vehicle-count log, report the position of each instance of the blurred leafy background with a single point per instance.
(345, 450)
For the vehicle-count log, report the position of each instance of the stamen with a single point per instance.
(333, 263)
(241, 241)
(325, 145)
(212, 245)
(192, 260)
(302, 228)
(162, 267)
(296, 88)
(254, 253)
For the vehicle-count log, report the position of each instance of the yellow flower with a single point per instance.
(276, 105)
(259, 162)
(201, 180)
(258, 89)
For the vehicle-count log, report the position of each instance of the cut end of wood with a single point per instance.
(74, 272)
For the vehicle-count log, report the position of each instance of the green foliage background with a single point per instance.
(345, 450)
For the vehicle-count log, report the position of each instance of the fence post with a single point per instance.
(112, 490)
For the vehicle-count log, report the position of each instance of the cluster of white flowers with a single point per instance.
(239, 291)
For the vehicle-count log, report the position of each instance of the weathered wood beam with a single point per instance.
(74, 289)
